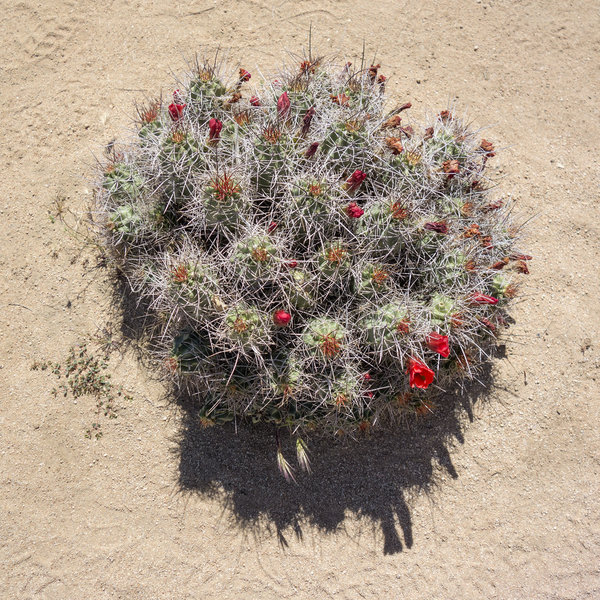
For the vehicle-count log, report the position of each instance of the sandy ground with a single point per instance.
(497, 501)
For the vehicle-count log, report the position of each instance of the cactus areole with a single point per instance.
(313, 258)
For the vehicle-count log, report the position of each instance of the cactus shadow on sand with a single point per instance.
(373, 477)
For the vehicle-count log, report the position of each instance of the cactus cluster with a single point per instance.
(314, 260)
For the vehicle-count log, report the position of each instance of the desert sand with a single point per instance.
(497, 498)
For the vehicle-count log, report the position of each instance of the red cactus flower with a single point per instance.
(281, 318)
(244, 76)
(312, 149)
(272, 227)
(254, 101)
(355, 180)
(437, 226)
(367, 377)
(354, 211)
(420, 375)
(283, 106)
(479, 298)
(214, 126)
(176, 111)
(292, 264)
(439, 343)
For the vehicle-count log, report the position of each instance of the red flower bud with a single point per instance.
(367, 377)
(420, 375)
(272, 227)
(281, 318)
(283, 106)
(214, 126)
(254, 101)
(439, 343)
(307, 120)
(354, 211)
(312, 149)
(479, 298)
(176, 111)
(292, 264)
(354, 181)
(244, 75)
(437, 226)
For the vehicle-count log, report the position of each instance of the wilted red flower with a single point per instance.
(394, 144)
(244, 76)
(392, 122)
(445, 115)
(437, 226)
(254, 101)
(354, 181)
(272, 227)
(340, 99)
(521, 267)
(214, 126)
(283, 106)
(180, 274)
(281, 318)
(381, 80)
(494, 205)
(405, 106)
(307, 120)
(373, 71)
(312, 149)
(439, 343)
(472, 231)
(176, 111)
(403, 326)
(515, 256)
(420, 375)
(488, 148)
(497, 266)
(487, 323)
(479, 298)
(451, 167)
(398, 211)
(428, 133)
(354, 211)
(408, 131)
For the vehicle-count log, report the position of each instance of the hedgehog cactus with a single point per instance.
(313, 260)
